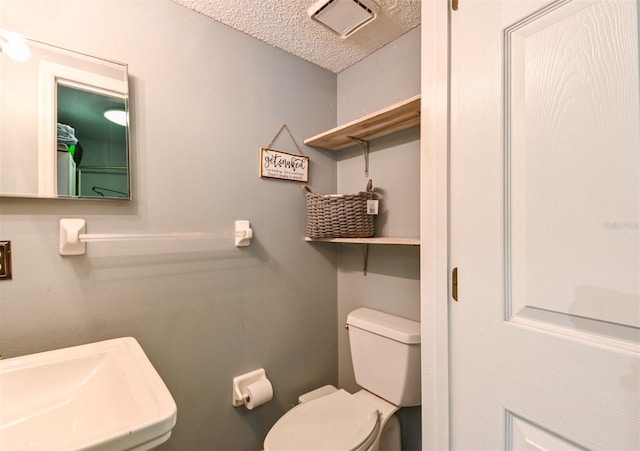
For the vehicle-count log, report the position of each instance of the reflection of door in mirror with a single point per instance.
(51, 86)
(81, 152)
(92, 150)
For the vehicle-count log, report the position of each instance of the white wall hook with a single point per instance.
(244, 233)
(70, 230)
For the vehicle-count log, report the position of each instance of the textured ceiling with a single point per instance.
(286, 25)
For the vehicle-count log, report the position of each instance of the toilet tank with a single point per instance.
(385, 352)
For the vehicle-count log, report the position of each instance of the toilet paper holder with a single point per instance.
(241, 382)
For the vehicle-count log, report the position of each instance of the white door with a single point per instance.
(544, 213)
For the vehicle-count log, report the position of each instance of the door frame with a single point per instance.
(434, 224)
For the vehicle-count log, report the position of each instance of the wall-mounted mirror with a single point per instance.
(63, 123)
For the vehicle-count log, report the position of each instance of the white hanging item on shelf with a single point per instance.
(276, 164)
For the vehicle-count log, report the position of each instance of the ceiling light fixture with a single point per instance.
(117, 116)
(344, 17)
(14, 46)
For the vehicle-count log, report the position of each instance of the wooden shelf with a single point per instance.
(395, 118)
(389, 120)
(374, 240)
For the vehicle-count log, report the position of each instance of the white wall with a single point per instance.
(204, 98)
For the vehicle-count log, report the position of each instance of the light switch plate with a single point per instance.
(5, 260)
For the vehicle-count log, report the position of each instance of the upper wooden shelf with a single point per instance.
(399, 116)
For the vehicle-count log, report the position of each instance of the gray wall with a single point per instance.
(392, 283)
(204, 99)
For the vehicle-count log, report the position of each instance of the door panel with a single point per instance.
(524, 435)
(572, 142)
(544, 212)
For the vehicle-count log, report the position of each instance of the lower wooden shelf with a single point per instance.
(374, 240)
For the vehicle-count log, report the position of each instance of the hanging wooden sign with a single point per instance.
(281, 165)
(276, 164)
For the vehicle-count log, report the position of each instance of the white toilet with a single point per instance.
(385, 351)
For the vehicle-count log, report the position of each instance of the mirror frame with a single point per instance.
(50, 75)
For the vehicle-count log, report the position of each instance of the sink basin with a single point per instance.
(103, 395)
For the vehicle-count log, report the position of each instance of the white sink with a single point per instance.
(103, 395)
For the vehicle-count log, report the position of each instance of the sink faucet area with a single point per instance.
(103, 395)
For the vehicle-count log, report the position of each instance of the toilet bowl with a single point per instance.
(337, 421)
(385, 352)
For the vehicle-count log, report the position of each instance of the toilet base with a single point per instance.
(391, 436)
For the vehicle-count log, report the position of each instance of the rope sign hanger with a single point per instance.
(284, 126)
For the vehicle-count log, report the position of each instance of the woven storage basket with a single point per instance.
(339, 215)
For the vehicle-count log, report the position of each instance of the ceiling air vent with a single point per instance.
(343, 17)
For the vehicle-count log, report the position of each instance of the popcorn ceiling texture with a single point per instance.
(285, 24)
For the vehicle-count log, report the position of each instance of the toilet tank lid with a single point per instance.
(390, 326)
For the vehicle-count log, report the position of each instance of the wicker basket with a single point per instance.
(339, 215)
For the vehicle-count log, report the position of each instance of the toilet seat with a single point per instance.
(338, 421)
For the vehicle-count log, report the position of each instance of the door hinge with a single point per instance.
(454, 284)
(454, 5)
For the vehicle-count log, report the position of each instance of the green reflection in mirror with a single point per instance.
(92, 158)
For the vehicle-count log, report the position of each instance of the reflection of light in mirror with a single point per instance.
(116, 116)
(14, 46)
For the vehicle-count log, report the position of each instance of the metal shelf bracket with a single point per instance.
(364, 252)
(365, 152)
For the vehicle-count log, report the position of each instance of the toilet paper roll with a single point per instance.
(257, 393)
